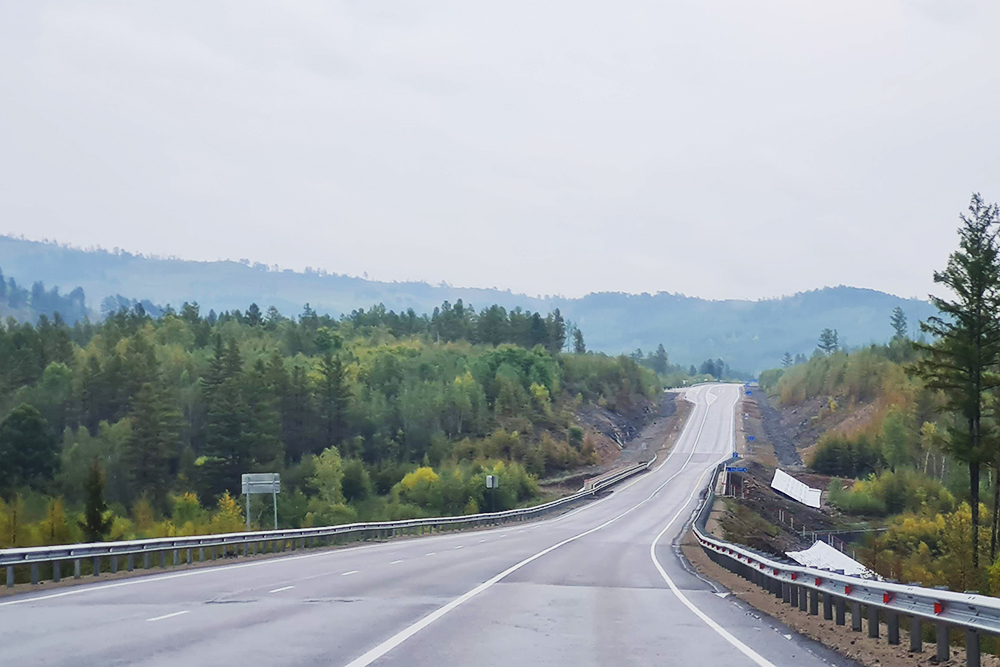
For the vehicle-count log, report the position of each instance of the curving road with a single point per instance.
(601, 585)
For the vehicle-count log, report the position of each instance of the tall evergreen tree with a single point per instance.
(153, 444)
(828, 341)
(967, 342)
(96, 518)
(898, 322)
(28, 449)
(578, 345)
(787, 360)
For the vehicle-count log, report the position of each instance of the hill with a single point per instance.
(748, 335)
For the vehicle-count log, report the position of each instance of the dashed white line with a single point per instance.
(430, 553)
(460, 546)
(396, 562)
(349, 573)
(176, 613)
(283, 588)
(481, 541)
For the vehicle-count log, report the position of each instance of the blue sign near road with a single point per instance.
(749, 393)
(732, 469)
(751, 438)
(736, 455)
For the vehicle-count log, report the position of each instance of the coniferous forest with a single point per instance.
(141, 426)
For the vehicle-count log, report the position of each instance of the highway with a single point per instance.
(600, 585)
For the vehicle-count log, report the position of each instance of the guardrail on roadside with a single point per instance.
(183, 548)
(805, 587)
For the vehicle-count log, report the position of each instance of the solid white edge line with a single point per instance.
(378, 651)
(722, 632)
(176, 613)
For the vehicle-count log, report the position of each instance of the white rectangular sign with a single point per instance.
(261, 482)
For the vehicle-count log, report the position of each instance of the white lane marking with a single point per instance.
(740, 646)
(481, 541)
(176, 613)
(396, 562)
(349, 573)
(430, 553)
(460, 546)
(283, 588)
(404, 634)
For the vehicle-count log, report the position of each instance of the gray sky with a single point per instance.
(549, 147)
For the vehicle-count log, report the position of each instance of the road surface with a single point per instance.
(601, 585)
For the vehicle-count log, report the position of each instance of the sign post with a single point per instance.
(262, 482)
(492, 482)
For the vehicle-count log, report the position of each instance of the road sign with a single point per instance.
(749, 393)
(732, 469)
(736, 455)
(265, 482)
(262, 482)
(751, 438)
(492, 482)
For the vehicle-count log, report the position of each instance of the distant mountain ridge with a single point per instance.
(749, 335)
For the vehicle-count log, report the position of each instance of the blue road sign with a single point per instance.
(732, 469)
(749, 393)
(751, 438)
(736, 455)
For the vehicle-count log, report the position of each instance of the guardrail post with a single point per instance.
(76, 568)
(813, 602)
(841, 611)
(803, 601)
(793, 595)
(892, 621)
(56, 571)
(130, 564)
(971, 647)
(163, 560)
(176, 558)
(201, 554)
(943, 651)
(97, 566)
(145, 561)
(786, 592)
(856, 616)
(827, 607)
(10, 576)
(189, 556)
(114, 564)
(212, 551)
(916, 640)
(872, 621)
(34, 574)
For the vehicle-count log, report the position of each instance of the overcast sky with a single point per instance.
(719, 149)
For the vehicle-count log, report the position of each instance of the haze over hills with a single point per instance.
(748, 335)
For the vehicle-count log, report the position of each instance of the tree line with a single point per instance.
(159, 410)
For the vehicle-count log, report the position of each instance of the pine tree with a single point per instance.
(557, 332)
(154, 442)
(899, 324)
(96, 518)
(579, 346)
(967, 343)
(787, 360)
(828, 341)
(660, 360)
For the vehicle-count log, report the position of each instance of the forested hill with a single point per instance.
(748, 335)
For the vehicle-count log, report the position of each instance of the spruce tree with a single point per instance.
(898, 322)
(967, 343)
(96, 519)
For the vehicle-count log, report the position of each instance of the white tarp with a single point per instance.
(824, 557)
(793, 488)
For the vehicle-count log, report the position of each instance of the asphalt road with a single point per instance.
(601, 585)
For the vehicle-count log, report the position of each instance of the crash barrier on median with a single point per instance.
(809, 588)
(186, 550)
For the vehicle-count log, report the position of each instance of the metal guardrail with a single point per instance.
(805, 587)
(182, 548)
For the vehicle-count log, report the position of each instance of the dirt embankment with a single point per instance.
(627, 437)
